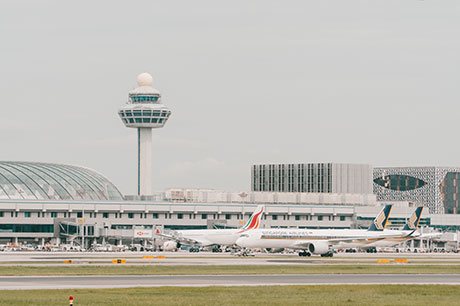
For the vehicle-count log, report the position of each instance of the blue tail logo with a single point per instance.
(381, 220)
(414, 220)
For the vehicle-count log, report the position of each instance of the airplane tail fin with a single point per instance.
(254, 220)
(381, 220)
(414, 220)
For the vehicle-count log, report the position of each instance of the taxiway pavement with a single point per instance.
(207, 258)
(129, 281)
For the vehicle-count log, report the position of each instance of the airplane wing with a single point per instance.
(362, 241)
(430, 235)
(184, 240)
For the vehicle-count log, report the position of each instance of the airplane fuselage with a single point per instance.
(301, 238)
(211, 236)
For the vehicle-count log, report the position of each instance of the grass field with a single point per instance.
(268, 295)
(269, 269)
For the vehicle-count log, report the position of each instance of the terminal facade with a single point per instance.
(437, 188)
(66, 222)
(312, 177)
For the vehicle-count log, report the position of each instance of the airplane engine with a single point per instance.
(171, 245)
(320, 247)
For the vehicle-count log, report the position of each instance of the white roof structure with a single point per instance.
(144, 90)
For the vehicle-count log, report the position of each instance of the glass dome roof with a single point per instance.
(46, 181)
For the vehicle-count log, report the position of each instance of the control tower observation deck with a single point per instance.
(144, 112)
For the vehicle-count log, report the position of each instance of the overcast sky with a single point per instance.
(247, 81)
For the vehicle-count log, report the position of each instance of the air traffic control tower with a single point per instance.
(144, 112)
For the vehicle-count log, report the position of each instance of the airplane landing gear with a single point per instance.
(328, 254)
(304, 253)
(216, 249)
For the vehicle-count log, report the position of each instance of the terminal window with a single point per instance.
(105, 215)
(27, 228)
(297, 217)
(27, 214)
(130, 215)
(228, 216)
(274, 217)
(53, 214)
(320, 218)
(155, 216)
(180, 216)
(204, 216)
(79, 214)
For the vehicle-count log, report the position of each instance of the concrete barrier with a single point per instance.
(148, 257)
(69, 261)
(119, 261)
(400, 260)
(383, 261)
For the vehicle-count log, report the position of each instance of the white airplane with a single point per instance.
(408, 232)
(321, 242)
(211, 237)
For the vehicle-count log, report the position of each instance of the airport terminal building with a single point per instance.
(43, 202)
(61, 203)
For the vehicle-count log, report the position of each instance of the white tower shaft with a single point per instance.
(144, 146)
